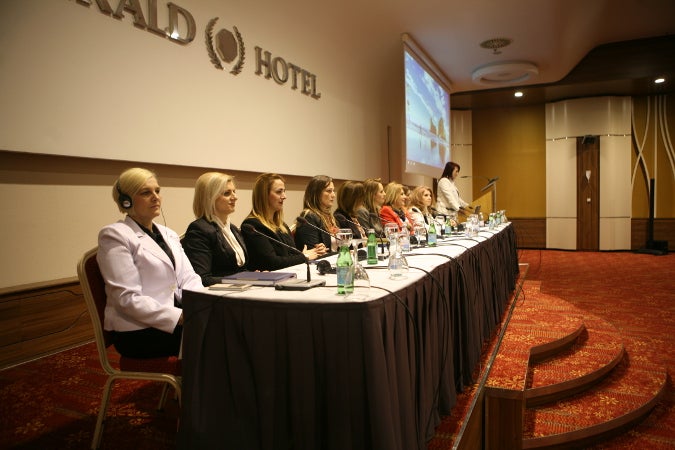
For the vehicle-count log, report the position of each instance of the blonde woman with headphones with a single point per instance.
(145, 271)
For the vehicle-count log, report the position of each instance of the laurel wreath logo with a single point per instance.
(213, 56)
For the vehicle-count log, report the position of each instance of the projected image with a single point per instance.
(427, 121)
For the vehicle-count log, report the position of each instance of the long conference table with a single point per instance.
(308, 370)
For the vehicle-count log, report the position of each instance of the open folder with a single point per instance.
(258, 278)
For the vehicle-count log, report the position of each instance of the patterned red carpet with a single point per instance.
(635, 293)
(51, 403)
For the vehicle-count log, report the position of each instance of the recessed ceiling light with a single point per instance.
(659, 80)
(518, 94)
(505, 72)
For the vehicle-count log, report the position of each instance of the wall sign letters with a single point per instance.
(224, 48)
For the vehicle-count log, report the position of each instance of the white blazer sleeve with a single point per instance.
(140, 280)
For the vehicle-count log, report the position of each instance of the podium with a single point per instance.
(488, 198)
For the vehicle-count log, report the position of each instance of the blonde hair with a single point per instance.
(261, 207)
(129, 183)
(416, 198)
(392, 191)
(208, 188)
(371, 187)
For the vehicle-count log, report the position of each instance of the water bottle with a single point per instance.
(431, 234)
(372, 247)
(448, 225)
(345, 271)
(404, 241)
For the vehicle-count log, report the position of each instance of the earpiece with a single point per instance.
(325, 267)
(124, 200)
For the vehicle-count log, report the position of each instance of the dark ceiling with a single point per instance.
(621, 68)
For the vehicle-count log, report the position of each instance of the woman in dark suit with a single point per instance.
(214, 246)
(267, 236)
(369, 213)
(317, 211)
(350, 197)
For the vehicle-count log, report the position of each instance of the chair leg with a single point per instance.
(98, 431)
(162, 398)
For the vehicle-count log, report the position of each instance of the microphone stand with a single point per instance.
(491, 183)
(304, 221)
(288, 285)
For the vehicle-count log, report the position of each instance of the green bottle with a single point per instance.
(345, 271)
(431, 234)
(372, 247)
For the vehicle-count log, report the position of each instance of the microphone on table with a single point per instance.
(304, 221)
(358, 227)
(294, 285)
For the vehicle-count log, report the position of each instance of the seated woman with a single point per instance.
(317, 211)
(421, 200)
(350, 197)
(213, 244)
(267, 219)
(392, 211)
(369, 213)
(145, 271)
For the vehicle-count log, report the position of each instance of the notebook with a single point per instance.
(258, 278)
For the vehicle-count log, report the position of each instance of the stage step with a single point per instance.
(579, 384)
(592, 356)
(628, 393)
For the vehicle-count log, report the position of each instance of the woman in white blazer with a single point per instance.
(145, 271)
(449, 200)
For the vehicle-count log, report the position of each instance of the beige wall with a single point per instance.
(76, 82)
(511, 143)
(84, 96)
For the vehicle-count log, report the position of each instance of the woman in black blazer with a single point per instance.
(267, 236)
(317, 212)
(214, 246)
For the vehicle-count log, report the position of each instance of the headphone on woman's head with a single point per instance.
(124, 200)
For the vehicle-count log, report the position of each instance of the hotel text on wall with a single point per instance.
(224, 48)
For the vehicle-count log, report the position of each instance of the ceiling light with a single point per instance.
(518, 94)
(496, 44)
(660, 80)
(506, 72)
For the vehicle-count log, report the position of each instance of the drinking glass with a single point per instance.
(398, 265)
(421, 235)
(390, 228)
(344, 236)
(361, 282)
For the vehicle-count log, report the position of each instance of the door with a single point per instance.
(588, 193)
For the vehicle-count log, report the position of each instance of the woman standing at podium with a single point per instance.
(449, 200)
